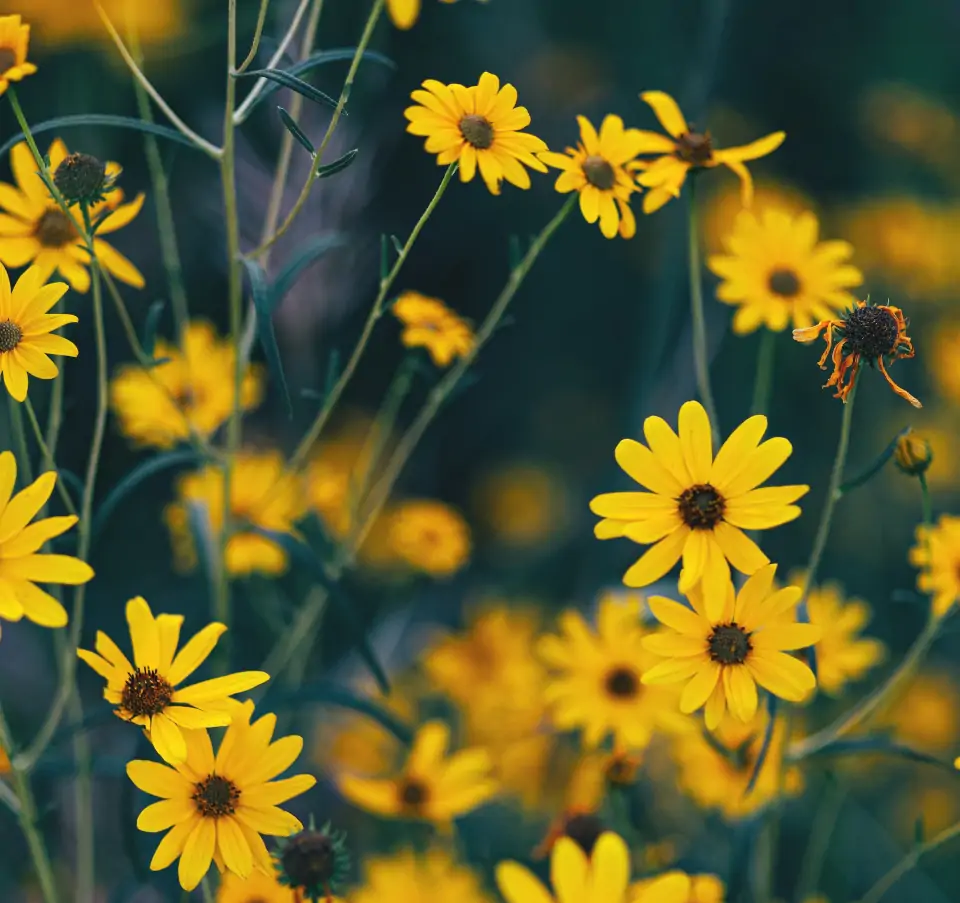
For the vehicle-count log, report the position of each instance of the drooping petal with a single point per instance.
(171, 846)
(233, 847)
(197, 855)
(167, 739)
(657, 560)
(741, 692)
(740, 550)
(752, 151)
(699, 688)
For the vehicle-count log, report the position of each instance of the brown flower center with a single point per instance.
(54, 229)
(701, 506)
(413, 794)
(10, 335)
(729, 644)
(8, 59)
(622, 683)
(216, 796)
(146, 693)
(871, 331)
(584, 830)
(599, 172)
(477, 130)
(695, 148)
(784, 282)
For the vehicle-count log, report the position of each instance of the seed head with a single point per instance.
(314, 862)
(82, 179)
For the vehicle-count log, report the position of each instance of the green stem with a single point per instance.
(257, 34)
(48, 461)
(925, 500)
(821, 830)
(763, 381)
(24, 467)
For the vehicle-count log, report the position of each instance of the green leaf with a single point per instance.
(296, 131)
(303, 257)
(339, 165)
(122, 122)
(282, 77)
(876, 466)
(150, 327)
(148, 468)
(884, 745)
(263, 302)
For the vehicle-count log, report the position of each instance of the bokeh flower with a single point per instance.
(937, 555)
(26, 330)
(34, 228)
(22, 564)
(699, 505)
(723, 204)
(432, 876)
(257, 887)
(522, 504)
(146, 692)
(945, 360)
(14, 43)
(777, 273)
(429, 536)
(480, 127)
(429, 323)
(597, 169)
(724, 658)
(683, 888)
(216, 807)
(194, 387)
(59, 22)
(926, 715)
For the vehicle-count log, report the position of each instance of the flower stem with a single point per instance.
(701, 362)
(763, 381)
(24, 467)
(257, 34)
(925, 500)
(48, 456)
(824, 821)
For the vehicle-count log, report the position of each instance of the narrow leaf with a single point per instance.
(150, 327)
(303, 257)
(281, 77)
(397, 245)
(339, 165)
(296, 131)
(884, 745)
(263, 303)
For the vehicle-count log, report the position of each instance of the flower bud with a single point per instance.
(313, 861)
(82, 178)
(913, 454)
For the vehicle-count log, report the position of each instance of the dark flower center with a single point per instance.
(871, 331)
(729, 644)
(621, 771)
(54, 229)
(701, 506)
(309, 859)
(10, 335)
(622, 683)
(413, 793)
(216, 796)
(477, 130)
(80, 177)
(146, 693)
(695, 148)
(8, 59)
(784, 282)
(584, 830)
(599, 172)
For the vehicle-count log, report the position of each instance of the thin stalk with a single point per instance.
(927, 506)
(24, 467)
(763, 381)
(48, 461)
(824, 821)
(257, 34)
(376, 311)
(701, 360)
(54, 415)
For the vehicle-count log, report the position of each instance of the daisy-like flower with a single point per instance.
(429, 323)
(776, 272)
(724, 658)
(34, 228)
(14, 42)
(481, 127)
(699, 505)
(869, 332)
(429, 536)
(404, 13)
(26, 330)
(432, 786)
(685, 150)
(597, 168)
(937, 555)
(603, 877)
(22, 565)
(682, 888)
(217, 806)
(599, 682)
(262, 493)
(146, 692)
(257, 887)
(429, 877)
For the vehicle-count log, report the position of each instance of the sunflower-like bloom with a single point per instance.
(776, 272)
(602, 877)
(597, 168)
(26, 338)
(937, 555)
(429, 536)
(869, 332)
(685, 150)
(22, 565)
(432, 786)
(404, 13)
(698, 506)
(34, 228)
(679, 887)
(193, 388)
(432, 876)
(216, 807)
(257, 887)
(724, 658)
(481, 127)
(429, 323)
(14, 42)
(146, 693)
(599, 683)
(262, 493)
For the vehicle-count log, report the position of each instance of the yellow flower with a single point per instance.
(522, 504)
(64, 22)
(597, 168)
(22, 565)
(602, 877)
(26, 330)
(687, 150)
(777, 273)
(404, 13)
(431, 786)
(429, 536)
(599, 684)
(699, 505)
(913, 454)
(256, 888)
(14, 41)
(869, 332)
(480, 127)
(724, 658)
(723, 205)
(926, 715)
(429, 323)
(937, 554)
(409, 877)
(195, 387)
(945, 361)
(262, 493)
(216, 807)
(146, 693)
(36, 229)
(683, 888)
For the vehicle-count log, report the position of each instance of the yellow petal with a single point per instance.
(610, 868)
(276, 792)
(39, 606)
(642, 465)
(171, 846)
(143, 633)
(715, 582)
(786, 638)
(35, 535)
(781, 674)
(520, 885)
(233, 847)
(733, 454)
(48, 569)
(741, 692)
(195, 652)
(657, 560)
(678, 617)
(696, 441)
(195, 719)
(23, 507)
(168, 630)
(278, 757)
(167, 739)
(632, 505)
(429, 747)
(379, 796)
(269, 820)
(218, 687)
(759, 466)
(740, 550)
(665, 108)
(8, 479)
(569, 870)
(197, 854)
(755, 149)
(166, 814)
(158, 780)
(699, 688)
(403, 13)
(665, 445)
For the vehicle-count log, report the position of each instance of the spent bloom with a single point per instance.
(429, 323)
(14, 42)
(937, 555)
(481, 127)
(146, 693)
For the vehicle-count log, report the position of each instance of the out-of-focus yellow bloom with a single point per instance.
(65, 22)
(14, 43)
(429, 877)
(926, 715)
(937, 554)
(722, 206)
(404, 13)
(521, 504)
(945, 360)
(913, 454)
(699, 889)
(429, 536)
(258, 887)
(429, 323)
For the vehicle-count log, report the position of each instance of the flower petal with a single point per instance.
(665, 108)
(641, 465)
(195, 652)
(657, 560)
(696, 441)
